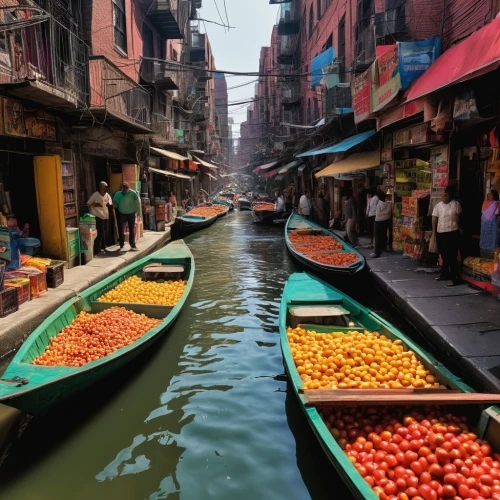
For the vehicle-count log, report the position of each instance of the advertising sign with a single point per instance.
(361, 96)
(415, 58)
(385, 77)
(465, 107)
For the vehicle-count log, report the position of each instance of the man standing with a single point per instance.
(305, 204)
(98, 207)
(127, 204)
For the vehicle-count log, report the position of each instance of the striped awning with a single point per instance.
(169, 154)
(168, 173)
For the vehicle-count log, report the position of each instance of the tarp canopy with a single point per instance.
(357, 161)
(206, 164)
(265, 166)
(169, 154)
(270, 173)
(170, 174)
(476, 55)
(340, 147)
(318, 63)
(289, 166)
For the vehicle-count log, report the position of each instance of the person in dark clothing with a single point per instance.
(382, 219)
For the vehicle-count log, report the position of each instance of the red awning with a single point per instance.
(476, 55)
(271, 173)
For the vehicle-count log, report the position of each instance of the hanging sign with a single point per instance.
(465, 107)
(439, 164)
(385, 78)
(361, 96)
(415, 58)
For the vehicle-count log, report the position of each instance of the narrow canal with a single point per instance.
(205, 415)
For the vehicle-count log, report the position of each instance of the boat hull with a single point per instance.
(184, 225)
(263, 216)
(296, 221)
(303, 288)
(49, 385)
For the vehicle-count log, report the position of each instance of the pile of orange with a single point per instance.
(90, 337)
(207, 212)
(314, 243)
(136, 290)
(355, 360)
(340, 259)
(264, 207)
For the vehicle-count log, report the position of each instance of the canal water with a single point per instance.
(206, 414)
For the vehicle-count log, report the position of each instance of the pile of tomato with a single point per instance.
(423, 454)
(314, 243)
(207, 212)
(90, 337)
(340, 259)
(264, 207)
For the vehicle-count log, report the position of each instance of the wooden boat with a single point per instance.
(34, 389)
(263, 216)
(313, 304)
(244, 204)
(187, 224)
(299, 251)
(210, 204)
(226, 203)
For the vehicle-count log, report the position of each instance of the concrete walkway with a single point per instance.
(15, 328)
(461, 322)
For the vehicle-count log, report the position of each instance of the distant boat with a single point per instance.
(244, 204)
(264, 212)
(318, 260)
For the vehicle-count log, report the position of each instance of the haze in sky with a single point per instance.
(238, 49)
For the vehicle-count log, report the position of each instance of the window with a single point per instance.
(175, 56)
(147, 42)
(341, 49)
(311, 21)
(120, 25)
(329, 42)
(328, 3)
(319, 12)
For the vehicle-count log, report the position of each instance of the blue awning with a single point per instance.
(289, 166)
(318, 63)
(340, 147)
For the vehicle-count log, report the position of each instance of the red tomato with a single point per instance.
(403, 496)
(370, 481)
(399, 471)
(427, 492)
(391, 488)
(436, 470)
(424, 451)
(380, 492)
(451, 479)
(432, 459)
(378, 474)
(410, 456)
(449, 491)
(486, 479)
(471, 482)
(449, 469)
(425, 478)
(386, 435)
(474, 448)
(485, 491)
(361, 470)
(477, 471)
(391, 461)
(411, 491)
(416, 444)
(396, 439)
(473, 493)
(400, 457)
(379, 456)
(458, 464)
(404, 445)
(412, 481)
(463, 491)
(465, 471)
(417, 468)
(401, 484)
(392, 448)
(455, 454)
(442, 456)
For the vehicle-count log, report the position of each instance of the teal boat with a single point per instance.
(313, 304)
(227, 204)
(34, 389)
(299, 252)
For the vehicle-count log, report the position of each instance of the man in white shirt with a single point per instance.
(371, 212)
(305, 204)
(383, 214)
(280, 204)
(98, 207)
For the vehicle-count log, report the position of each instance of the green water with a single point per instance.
(205, 415)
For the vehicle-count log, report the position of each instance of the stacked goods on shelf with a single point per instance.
(409, 175)
(38, 280)
(397, 242)
(478, 269)
(23, 287)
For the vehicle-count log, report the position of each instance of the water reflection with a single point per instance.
(205, 414)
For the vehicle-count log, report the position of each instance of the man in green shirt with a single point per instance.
(127, 204)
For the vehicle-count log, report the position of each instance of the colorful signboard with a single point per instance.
(439, 164)
(19, 121)
(415, 58)
(385, 78)
(465, 107)
(361, 96)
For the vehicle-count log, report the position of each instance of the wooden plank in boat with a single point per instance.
(400, 397)
(318, 311)
(150, 310)
(307, 232)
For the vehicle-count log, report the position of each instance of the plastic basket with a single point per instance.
(8, 302)
(55, 274)
(38, 284)
(23, 291)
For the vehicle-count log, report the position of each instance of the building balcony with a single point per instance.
(201, 111)
(365, 46)
(290, 94)
(168, 16)
(287, 50)
(197, 48)
(288, 22)
(45, 63)
(159, 74)
(116, 98)
(338, 97)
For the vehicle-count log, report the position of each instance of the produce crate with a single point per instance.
(38, 284)
(23, 287)
(8, 302)
(55, 274)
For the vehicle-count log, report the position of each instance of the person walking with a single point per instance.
(98, 207)
(351, 220)
(383, 213)
(371, 213)
(305, 204)
(446, 229)
(127, 204)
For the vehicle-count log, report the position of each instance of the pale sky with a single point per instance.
(239, 49)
